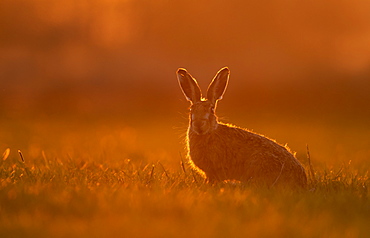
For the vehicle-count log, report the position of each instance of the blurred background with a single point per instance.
(97, 78)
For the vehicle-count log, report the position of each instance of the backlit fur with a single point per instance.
(226, 152)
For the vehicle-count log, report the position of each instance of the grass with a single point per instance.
(93, 180)
(48, 197)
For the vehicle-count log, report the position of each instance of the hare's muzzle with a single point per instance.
(200, 126)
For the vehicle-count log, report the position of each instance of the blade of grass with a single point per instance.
(6, 154)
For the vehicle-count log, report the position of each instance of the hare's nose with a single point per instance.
(199, 123)
(200, 126)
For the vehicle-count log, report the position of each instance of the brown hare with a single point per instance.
(225, 152)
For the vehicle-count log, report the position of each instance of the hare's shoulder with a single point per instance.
(232, 130)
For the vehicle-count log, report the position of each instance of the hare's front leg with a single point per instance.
(214, 177)
(212, 180)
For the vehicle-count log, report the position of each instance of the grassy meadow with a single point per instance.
(107, 179)
(93, 122)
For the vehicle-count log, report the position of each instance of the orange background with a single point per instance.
(300, 72)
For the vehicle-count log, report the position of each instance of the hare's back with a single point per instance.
(255, 146)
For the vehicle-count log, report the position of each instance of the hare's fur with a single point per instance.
(225, 152)
(231, 153)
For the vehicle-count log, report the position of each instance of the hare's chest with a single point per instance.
(208, 155)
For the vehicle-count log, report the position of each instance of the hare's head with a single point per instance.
(203, 119)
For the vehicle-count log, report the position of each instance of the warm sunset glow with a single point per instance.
(93, 121)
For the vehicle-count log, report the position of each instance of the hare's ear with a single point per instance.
(218, 85)
(189, 86)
